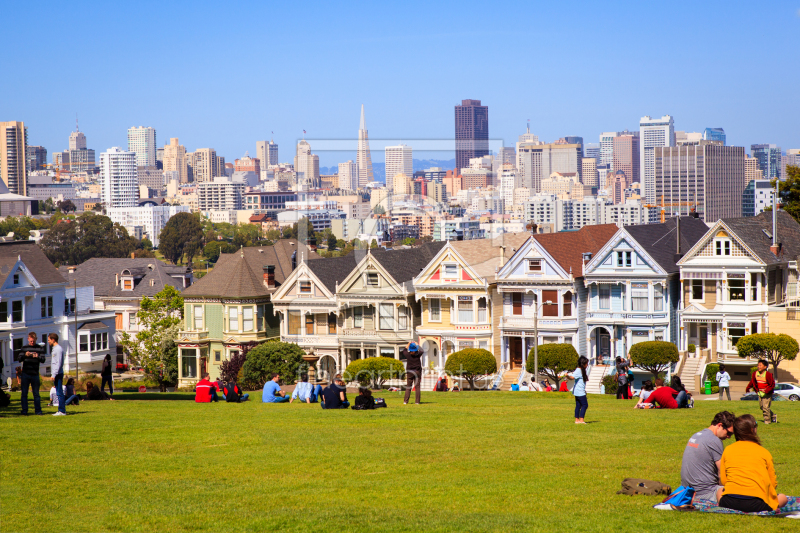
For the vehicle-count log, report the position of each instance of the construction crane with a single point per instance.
(662, 205)
(59, 166)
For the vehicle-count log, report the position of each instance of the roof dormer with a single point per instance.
(126, 280)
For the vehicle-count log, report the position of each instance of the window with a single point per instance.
(722, 247)
(331, 324)
(217, 355)
(451, 271)
(697, 289)
(403, 317)
(372, 279)
(534, 265)
(482, 310)
(16, 279)
(624, 259)
(189, 363)
(309, 324)
(386, 316)
(358, 317)
(483, 345)
(550, 309)
(69, 306)
(639, 300)
(658, 298)
(294, 322)
(516, 303)
(84, 343)
(16, 311)
(435, 310)
(47, 306)
(754, 287)
(305, 287)
(233, 319)
(132, 319)
(605, 297)
(567, 305)
(465, 311)
(3, 311)
(93, 342)
(735, 334)
(247, 319)
(127, 284)
(736, 290)
(198, 317)
(387, 351)
(465, 344)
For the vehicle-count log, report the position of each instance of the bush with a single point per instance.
(714, 390)
(230, 368)
(654, 356)
(711, 375)
(692, 348)
(610, 384)
(284, 358)
(373, 371)
(471, 363)
(554, 359)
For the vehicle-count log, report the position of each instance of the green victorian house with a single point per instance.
(231, 307)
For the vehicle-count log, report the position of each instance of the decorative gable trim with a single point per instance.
(710, 235)
(302, 271)
(604, 254)
(368, 264)
(434, 266)
(531, 249)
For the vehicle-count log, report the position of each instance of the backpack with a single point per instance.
(380, 402)
(231, 394)
(5, 399)
(681, 497)
(631, 486)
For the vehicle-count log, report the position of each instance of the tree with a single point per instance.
(71, 242)
(374, 244)
(789, 191)
(554, 360)
(332, 242)
(471, 363)
(771, 347)
(66, 206)
(654, 356)
(373, 371)
(273, 235)
(284, 358)
(159, 320)
(211, 251)
(409, 241)
(146, 243)
(379, 210)
(183, 234)
(292, 232)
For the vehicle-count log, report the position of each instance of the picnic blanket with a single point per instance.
(791, 509)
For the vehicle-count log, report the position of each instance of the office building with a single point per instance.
(399, 160)
(706, 176)
(36, 158)
(151, 177)
(436, 174)
(363, 156)
(592, 150)
(175, 159)
(589, 172)
(13, 156)
(537, 161)
(714, 134)
(769, 159)
(751, 170)
(119, 184)
(142, 141)
(401, 184)
(267, 153)
(248, 164)
(607, 148)
(506, 155)
(220, 194)
(757, 197)
(653, 133)
(546, 210)
(306, 165)
(792, 158)
(348, 175)
(572, 139)
(203, 165)
(77, 140)
(688, 137)
(626, 157)
(472, 132)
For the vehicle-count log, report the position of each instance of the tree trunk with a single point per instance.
(471, 381)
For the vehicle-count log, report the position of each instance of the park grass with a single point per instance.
(470, 461)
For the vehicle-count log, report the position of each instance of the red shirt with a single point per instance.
(204, 388)
(664, 397)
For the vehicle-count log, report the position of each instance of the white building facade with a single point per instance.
(151, 218)
(399, 160)
(143, 141)
(119, 180)
(653, 132)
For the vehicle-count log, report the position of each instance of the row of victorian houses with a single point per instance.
(602, 289)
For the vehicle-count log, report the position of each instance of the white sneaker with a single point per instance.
(59, 413)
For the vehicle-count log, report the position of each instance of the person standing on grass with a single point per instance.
(764, 384)
(700, 464)
(413, 356)
(272, 391)
(31, 356)
(105, 373)
(724, 380)
(622, 378)
(57, 370)
(581, 377)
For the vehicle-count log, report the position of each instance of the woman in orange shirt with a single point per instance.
(747, 473)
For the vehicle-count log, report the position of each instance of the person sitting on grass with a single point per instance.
(684, 397)
(220, 386)
(700, 464)
(747, 473)
(233, 394)
(364, 400)
(334, 396)
(305, 391)
(94, 393)
(272, 391)
(647, 388)
(205, 391)
(663, 397)
(72, 398)
(441, 384)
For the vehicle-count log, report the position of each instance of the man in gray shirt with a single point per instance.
(700, 465)
(57, 371)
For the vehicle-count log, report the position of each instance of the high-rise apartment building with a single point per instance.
(706, 175)
(142, 141)
(769, 159)
(751, 170)
(714, 134)
(36, 157)
(401, 184)
(537, 161)
(175, 159)
(203, 165)
(653, 133)
(348, 175)
(626, 157)
(363, 156)
(13, 156)
(589, 172)
(472, 132)
(119, 182)
(399, 160)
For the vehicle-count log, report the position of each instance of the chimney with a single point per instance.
(133, 255)
(502, 255)
(678, 233)
(775, 248)
(269, 276)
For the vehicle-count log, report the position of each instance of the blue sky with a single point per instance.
(226, 74)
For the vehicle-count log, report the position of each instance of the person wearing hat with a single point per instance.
(413, 356)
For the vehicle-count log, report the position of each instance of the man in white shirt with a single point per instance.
(57, 369)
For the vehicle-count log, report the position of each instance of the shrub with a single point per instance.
(373, 371)
(769, 346)
(230, 368)
(692, 348)
(471, 363)
(654, 356)
(284, 358)
(610, 384)
(711, 375)
(554, 359)
(714, 390)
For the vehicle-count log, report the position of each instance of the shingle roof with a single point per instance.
(150, 276)
(660, 240)
(751, 231)
(29, 252)
(567, 248)
(333, 270)
(483, 255)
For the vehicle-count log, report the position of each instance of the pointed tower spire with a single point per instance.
(363, 125)
(363, 156)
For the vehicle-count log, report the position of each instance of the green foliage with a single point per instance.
(285, 358)
(212, 250)
(73, 241)
(554, 359)
(332, 242)
(246, 235)
(373, 371)
(471, 363)
(379, 210)
(183, 234)
(65, 206)
(769, 346)
(610, 384)
(789, 191)
(292, 232)
(711, 375)
(146, 243)
(409, 241)
(692, 348)
(654, 356)
(374, 244)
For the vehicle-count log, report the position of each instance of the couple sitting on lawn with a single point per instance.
(662, 397)
(334, 396)
(742, 477)
(206, 391)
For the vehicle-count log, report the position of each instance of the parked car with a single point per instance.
(788, 390)
(753, 396)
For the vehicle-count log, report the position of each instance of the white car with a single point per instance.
(790, 391)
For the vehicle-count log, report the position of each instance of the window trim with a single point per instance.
(538, 263)
(600, 290)
(438, 306)
(196, 316)
(702, 290)
(386, 312)
(304, 287)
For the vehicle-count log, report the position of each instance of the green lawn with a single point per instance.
(484, 461)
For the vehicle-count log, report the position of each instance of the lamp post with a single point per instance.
(536, 340)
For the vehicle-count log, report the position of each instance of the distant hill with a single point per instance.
(379, 169)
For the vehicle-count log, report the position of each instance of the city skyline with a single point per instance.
(235, 117)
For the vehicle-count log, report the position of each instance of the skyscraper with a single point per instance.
(363, 156)
(714, 134)
(348, 175)
(203, 165)
(607, 148)
(175, 159)
(13, 153)
(572, 139)
(77, 158)
(589, 171)
(267, 153)
(399, 160)
(119, 180)
(592, 150)
(751, 170)
(537, 161)
(769, 159)
(36, 157)
(653, 132)
(77, 140)
(626, 157)
(307, 164)
(143, 141)
(472, 132)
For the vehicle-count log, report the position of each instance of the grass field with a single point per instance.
(484, 461)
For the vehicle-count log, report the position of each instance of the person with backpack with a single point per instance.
(364, 400)
(106, 373)
(31, 356)
(622, 378)
(581, 377)
(700, 463)
(233, 394)
(724, 381)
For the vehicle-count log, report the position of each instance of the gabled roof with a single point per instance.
(660, 240)
(751, 230)
(483, 255)
(101, 273)
(567, 248)
(34, 259)
(333, 270)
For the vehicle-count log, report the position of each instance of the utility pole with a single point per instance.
(75, 313)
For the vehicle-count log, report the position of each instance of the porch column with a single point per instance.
(362, 350)
(197, 368)
(342, 360)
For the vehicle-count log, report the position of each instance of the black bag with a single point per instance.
(231, 396)
(380, 402)
(5, 399)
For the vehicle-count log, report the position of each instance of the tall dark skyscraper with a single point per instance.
(472, 132)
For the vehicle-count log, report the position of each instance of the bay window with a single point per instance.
(294, 322)
(465, 311)
(386, 316)
(435, 310)
(247, 319)
(658, 298)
